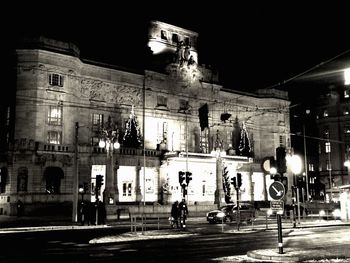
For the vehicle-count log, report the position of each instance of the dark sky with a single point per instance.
(254, 45)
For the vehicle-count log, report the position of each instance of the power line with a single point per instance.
(308, 70)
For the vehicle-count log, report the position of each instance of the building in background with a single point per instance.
(321, 128)
(172, 116)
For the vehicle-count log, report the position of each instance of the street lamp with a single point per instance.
(295, 163)
(109, 141)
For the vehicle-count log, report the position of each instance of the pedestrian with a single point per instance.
(183, 213)
(101, 213)
(175, 214)
(20, 208)
(85, 213)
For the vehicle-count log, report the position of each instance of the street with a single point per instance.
(204, 243)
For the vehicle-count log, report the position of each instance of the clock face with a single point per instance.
(276, 190)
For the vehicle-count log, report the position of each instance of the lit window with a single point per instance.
(54, 137)
(328, 147)
(8, 110)
(326, 133)
(346, 93)
(127, 189)
(311, 167)
(328, 165)
(204, 140)
(56, 80)
(55, 115)
(347, 76)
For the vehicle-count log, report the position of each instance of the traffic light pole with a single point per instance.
(76, 175)
(238, 219)
(280, 240)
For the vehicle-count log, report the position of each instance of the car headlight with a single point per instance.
(220, 214)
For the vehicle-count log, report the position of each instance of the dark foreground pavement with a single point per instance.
(333, 253)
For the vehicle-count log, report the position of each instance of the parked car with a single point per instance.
(228, 213)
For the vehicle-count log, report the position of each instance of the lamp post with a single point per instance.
(305, 159)
(328, 151)
(109, 141)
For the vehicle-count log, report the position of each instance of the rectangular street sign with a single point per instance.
(277, 205)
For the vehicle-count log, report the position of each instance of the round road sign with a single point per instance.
(276, 190)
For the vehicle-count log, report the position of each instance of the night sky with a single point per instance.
(253, 45)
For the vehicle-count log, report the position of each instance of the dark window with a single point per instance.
(163, 35)
(53, 176)
(162, 101)
(3, 179)
(22, 179)
(184, 105)
(97, 121)
(56, 80)
(187, 41)
(175, 38)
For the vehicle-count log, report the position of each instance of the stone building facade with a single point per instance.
(62, 106)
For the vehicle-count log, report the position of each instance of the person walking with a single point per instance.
(183, 213)
(175, 214)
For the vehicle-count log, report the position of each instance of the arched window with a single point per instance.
(22, 179)
(3, 179)
(53, 176)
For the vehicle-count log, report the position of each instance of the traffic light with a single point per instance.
(99, 181)
(285, 183)
(188, 177)
(181, 177)
(203, 116)
(276, 177)
(239, 180)
(86, 187)
(281, 160)
(233, 181)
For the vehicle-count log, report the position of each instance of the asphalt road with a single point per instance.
(204, 243)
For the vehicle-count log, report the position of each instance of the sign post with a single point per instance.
(277, 192)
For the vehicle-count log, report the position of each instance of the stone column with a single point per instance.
(137, 184)
(219, 192)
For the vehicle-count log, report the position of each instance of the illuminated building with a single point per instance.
(56, 89)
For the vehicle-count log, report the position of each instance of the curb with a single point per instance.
(269, 254)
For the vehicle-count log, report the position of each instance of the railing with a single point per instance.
(129, 151)
(146, 220)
